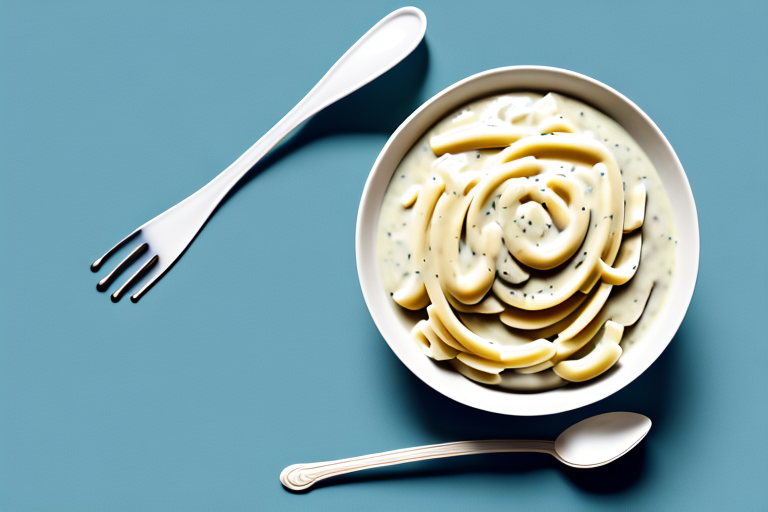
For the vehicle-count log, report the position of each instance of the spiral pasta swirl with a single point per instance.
(539, 236)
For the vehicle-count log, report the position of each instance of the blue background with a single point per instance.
(197, 397)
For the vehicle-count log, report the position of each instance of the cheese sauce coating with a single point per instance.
(527, 240)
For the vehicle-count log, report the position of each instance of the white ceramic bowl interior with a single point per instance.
(634, 362)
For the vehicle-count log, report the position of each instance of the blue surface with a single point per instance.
(197, 397)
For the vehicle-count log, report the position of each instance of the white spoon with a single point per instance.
(590, 443)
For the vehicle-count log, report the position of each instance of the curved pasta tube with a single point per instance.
(476, 375)
(578, 333)
(470, 287)
(524, 355)
(464, 118)
(536, 368)
(489, 327)
(573, 221)
(533, 302)
(626, 263)
(635, 198)
(529, 320)
(508, 269)
(478, 136)
(430, 343)
(481, 364)
(441, 331)
(488, 306)
(409, 196)
(445, 234)
(544, 107)
(588, 312)
(522, 168)
(584, 149)
(592, 279)
(567, 347)
(555, 124)
(412, 294)
(624, 317)
(543, 381)
(611, 210)
(603, 357)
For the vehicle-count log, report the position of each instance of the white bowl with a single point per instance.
(641, 128)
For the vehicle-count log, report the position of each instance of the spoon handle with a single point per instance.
(301, 476)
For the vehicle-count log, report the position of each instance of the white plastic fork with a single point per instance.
(168, 235)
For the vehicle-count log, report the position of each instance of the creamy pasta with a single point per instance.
(522, 237)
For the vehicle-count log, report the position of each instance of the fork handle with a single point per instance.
(381, 48)
(299, 477)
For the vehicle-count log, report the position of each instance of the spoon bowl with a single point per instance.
(601, 439)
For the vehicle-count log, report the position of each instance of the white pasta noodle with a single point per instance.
(524, 221)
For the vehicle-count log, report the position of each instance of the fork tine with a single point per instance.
(110, 278)
(134, 279)
(139, 294)
(96, 265)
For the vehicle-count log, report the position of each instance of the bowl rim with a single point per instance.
(683, 283)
